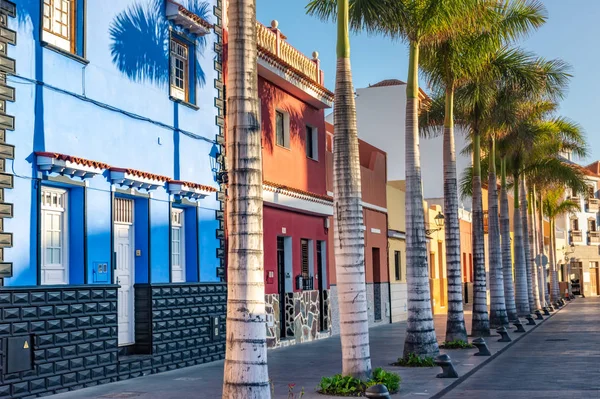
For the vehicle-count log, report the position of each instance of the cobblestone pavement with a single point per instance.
(305, 364)
(561, 359)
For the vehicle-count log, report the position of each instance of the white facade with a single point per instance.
(381, 115)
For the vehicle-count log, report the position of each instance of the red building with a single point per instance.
(296, 203)
(373, 171)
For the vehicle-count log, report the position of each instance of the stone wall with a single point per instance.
(302, 318)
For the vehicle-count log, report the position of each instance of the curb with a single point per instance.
(489, 359)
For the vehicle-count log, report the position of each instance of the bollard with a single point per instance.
(480, 344)
(546, 312)
(519, 326)
(530, 320)
(550, 308)
(445, 363)
(562, 302)
(504, 334)
(568, 298)
(557, 305)
(538, 315)
(377, 391)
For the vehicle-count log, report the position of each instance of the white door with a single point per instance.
(123, 231)
(177, 247)
(55, 265)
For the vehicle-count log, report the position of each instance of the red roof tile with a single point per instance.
(298, 191)
(141, 174)
(77, 160)
(194, 185)
(388, 82)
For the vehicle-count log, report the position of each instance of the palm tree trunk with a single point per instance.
(480, 325)
(246, 374)
(533, 232)
(349, 244)
(455, 322)
(522, 298)
(526, 246)
(538, 228)
(498, 316)
(420, 333)
(507, 267)
(546, 296)
(555, 291)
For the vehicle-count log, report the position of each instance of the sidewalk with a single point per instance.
(303, 365)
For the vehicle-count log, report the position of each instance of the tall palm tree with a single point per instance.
(555, 205)
(531, 281)
(507, 264)
(417, 22)
(348, 234)
(246, 374)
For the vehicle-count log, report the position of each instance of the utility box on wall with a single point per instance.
(19, 351)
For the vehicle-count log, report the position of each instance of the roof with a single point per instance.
(193, 185)
(76, 160)
(594, 168)
(141, 174)
(388, 82)
(297, 191)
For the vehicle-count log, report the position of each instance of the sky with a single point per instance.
(571, 33)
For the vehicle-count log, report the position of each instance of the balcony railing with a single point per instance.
(593, 237)
(576, 236)
(273, 41)
(591, 204)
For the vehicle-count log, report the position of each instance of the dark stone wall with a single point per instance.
(73, 333)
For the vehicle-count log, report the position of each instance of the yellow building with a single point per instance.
(436, 248)
(396, 192)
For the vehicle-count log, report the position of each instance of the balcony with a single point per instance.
(591, 204)
(593, 237)
(576, 236)
(282, 64)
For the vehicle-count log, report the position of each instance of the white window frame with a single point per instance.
(177, 92)
(314, 132)
(50, 24)
(64, 249)
(286, 129)
(178, 223)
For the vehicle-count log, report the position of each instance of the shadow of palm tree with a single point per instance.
(140, 41)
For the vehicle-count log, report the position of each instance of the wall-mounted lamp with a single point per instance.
(567, 253)
(216, 165)
(439, 220)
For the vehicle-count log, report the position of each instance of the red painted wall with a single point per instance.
(297, 226)
(291, 167)
(376, 220)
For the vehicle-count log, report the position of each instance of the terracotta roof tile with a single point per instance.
(141, 174)
(194, 17)
(194, 185)
(77, 160)
(388, 82)
(298, 191)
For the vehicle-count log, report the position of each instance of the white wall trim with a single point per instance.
(374, 207)
(297, 201)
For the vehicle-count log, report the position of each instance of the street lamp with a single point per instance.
(216, 165)
(567, 253)
(439, 222)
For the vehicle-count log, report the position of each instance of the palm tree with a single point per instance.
(531, 281)
(417, 22)
(507, 265)
(555, 205)
(246, 374)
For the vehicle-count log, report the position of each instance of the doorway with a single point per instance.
(322, 285)
(124, 268)
(281, 284)
(441, 274)
(594, 279)
(376, 283)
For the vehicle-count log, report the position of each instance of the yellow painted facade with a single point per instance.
(396, 205)
(436, 249)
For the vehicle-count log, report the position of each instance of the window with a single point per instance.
(180, 74)
(177, 246)
(398, 265)
(55, 268)
(59, 24)
(282, 129)
(311, 142)
(591, 192)
(575, 224)
(591, 225)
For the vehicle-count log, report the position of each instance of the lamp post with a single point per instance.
(439, 220)
(568, 264)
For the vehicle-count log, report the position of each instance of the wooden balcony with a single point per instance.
(593, 237)
(591, 204)
(576, 236)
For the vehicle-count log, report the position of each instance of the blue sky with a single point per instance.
(571, 33)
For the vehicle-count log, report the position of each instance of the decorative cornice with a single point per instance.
(186, 19)
(190, 190)
(297, 193)
(66, 165)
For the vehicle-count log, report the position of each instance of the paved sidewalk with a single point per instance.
(303, 365)
(560, 360)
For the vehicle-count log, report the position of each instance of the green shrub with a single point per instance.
(342, 386)
(458, 344)
(350, 386)
(414, 360)
(387, 378)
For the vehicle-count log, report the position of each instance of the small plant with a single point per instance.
(341, 386)
(387, 378)
(350, 386)
(458, 344)
(292, 395)
(414, 360)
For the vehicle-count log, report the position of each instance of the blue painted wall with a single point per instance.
(115, 109)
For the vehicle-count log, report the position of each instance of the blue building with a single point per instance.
(111, 205)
